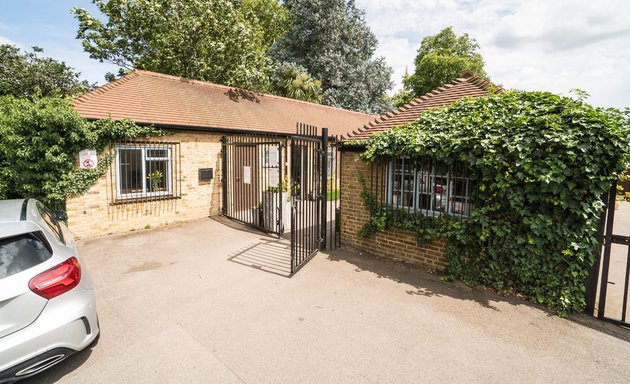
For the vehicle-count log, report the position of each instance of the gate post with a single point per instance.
(593, 272)
(322, 244)
(224, 167)
(610, 217)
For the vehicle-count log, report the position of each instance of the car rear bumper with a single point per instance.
(67, 323)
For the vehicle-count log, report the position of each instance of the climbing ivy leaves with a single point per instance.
(542, 163)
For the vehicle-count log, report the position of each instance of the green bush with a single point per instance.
(39, 144)
(542, 163)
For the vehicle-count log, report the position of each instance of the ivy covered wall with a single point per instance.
(542, 162)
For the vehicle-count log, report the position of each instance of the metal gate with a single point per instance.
(258, 190)
(609, 279)
(255, 190)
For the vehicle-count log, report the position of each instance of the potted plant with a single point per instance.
(272, 197)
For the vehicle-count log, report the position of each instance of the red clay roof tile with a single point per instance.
(155, 98)
(467, 86)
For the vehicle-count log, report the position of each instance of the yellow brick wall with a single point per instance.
(94, 214)
(397, 244)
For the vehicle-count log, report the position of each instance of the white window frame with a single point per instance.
(418, 178)
(144, 149)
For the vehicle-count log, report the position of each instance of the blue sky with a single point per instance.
(546, 45)
(49, 24)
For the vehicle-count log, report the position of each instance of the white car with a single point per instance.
(47, 305)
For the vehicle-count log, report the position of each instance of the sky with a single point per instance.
(548, 45)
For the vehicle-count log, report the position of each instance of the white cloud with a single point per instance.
(527, 44)
(6, 40)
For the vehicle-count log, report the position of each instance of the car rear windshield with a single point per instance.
(19, 253)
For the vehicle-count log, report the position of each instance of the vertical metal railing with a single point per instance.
(144, 171)
(306, 195)
(255, 187)
(612, 265)
(400, 187)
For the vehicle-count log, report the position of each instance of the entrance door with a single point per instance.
(246, 193)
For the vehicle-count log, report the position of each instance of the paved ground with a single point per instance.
(181, 305)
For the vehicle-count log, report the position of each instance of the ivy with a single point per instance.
(39, 144)
(542, 163)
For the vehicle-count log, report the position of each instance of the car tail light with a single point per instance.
(57, 280)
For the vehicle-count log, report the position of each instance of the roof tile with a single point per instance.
(466, 86)
(155, 98)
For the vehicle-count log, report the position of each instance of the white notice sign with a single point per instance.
(273, 158)
(87, 159)
(273, 177)
(247, 175)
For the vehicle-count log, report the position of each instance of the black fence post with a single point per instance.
(610, 217)
(224, 174)
(322, 244)
(593, 273)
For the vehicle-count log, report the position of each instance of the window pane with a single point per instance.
(157, 153)
(130, 172)
(157, 174)
(20, 253)
(402, 192)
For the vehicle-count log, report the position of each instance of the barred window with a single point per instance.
(146, 170)
(421, 186)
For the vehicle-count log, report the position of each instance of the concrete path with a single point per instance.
(182, 305)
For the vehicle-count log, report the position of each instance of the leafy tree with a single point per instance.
(444, 57)
(26, 74)
(406, 94)
(222, 41)
(291, 80)
(39, 144)
(331, 40)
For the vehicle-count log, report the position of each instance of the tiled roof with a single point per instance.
(466, 86)
(154, 98)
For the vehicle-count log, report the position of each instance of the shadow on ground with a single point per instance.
(273, 256)
(430, 284)
(57, 372)
(424, 283)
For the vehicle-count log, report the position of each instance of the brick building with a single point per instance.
(161, 180)
(400, 244)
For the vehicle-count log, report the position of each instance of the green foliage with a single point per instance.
(222, 41)
(39, 144)
(332, 41)
(541, 162)
(26, 74)
(291, 80)
(444, 57)
(405, 95)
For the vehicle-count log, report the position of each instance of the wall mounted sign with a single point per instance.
(87, 159)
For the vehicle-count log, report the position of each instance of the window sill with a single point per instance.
(133, 200)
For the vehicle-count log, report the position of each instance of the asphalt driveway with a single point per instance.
(204, 302)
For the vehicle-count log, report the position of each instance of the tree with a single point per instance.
(444, 57)
(291, 80)
(25, 74)
(406, 94)
(222, 41)
(332, 41)
(40, 140)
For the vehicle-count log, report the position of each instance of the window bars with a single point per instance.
(145, 171)
(422, 186)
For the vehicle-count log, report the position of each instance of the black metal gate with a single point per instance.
(306, 195)
(609, 280)
(258, 190)
(255, 187)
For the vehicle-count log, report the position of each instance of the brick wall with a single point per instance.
(94, 214)
(397, 244)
